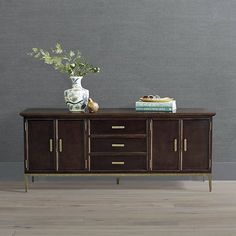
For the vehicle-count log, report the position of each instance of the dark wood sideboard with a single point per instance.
(117, 142)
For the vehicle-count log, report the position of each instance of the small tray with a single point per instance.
(166, 99)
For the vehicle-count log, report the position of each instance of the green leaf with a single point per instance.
(35, 50)
(96, 69)
(57, 60)
(58, 49)
(81, 64)
(71, 54)
(48, 59)
(37, 55)
(42, 52)
(78, 54)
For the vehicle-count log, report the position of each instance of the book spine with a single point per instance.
(155, 104)
(162, 107)
(154, 109)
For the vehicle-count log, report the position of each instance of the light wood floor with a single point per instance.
(102, 208)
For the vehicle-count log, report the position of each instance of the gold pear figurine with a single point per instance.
(92, 106)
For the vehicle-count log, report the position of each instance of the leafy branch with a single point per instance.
(71, 62)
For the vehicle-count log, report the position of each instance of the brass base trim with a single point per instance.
(26, 183)
(117, 174)
(210, 182)
(117, 180)
(209, 176)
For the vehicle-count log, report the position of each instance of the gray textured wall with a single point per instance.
(180, 48)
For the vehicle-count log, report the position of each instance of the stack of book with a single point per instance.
(169, 106)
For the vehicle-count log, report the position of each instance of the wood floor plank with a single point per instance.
(132, 208)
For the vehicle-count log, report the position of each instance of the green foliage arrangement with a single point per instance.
(70, 62)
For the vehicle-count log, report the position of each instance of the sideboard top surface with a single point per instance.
(114, 112)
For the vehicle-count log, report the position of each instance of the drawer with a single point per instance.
(118, 145)
(118, 126)
(119, 163)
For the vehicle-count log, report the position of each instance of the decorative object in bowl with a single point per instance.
(92, 106)
(73, 64)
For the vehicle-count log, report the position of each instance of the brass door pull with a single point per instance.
(185, 145)
(118, 127)
(117, 145)
(50, 145)
(175, 145)
(60, 145)
(118, 163)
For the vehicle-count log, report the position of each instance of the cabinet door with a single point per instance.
(41, 155)
(70, 145)
(196, 145)
(165, 145)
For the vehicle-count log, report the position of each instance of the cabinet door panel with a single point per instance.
(41, 155)
(195, 145)
(165, 145)
(70, 145)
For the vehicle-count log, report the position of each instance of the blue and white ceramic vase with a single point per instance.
(77, 97)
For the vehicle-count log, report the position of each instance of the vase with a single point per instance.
(77, 97)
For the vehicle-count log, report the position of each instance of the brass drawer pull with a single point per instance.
(185, 145)
(118, 127)
(50, 145)
(60, 145)
(175, 145)
(117, 145)
(118, 163)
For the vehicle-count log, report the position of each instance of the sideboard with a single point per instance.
(117, 142)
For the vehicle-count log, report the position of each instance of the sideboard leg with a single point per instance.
(26, 183)
(32, 179)
(203, 178)
(117, 180)
(210, 182)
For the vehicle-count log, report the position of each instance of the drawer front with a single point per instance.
(118, 145)
(118, 127)
(107, 163)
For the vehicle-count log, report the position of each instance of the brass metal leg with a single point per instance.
(26, 183)
(117, 180)
(210, 182)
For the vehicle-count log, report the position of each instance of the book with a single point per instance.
(162, 105)
(166, 109)
(153, 104)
